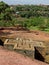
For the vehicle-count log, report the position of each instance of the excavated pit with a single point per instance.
(38, 56)
(1, 43)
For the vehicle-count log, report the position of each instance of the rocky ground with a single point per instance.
(13, 58)
(35, 35)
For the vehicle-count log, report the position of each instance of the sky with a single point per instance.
(34, 2)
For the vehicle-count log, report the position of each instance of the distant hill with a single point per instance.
(32, 10)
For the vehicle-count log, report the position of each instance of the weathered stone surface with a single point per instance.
(47, 58)
(8, 57)
(25, 46)
(42, 50)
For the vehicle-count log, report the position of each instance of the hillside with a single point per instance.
(32, 17)
(32, 10)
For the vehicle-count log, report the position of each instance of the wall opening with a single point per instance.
(1, 43)
(38, 56)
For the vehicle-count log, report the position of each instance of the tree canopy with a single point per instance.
(5, 11)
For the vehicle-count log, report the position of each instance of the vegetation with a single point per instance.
(5, 12)
(33, 10)
(29, 16)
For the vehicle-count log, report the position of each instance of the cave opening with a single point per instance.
(38, 56)
(1, 43)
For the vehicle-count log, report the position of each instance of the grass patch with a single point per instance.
(33, 28)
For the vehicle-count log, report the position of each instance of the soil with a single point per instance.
(35, 35)
(13, 58)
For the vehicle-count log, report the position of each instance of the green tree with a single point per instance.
(5, 11)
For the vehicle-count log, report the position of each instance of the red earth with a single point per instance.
(13, 58)
(35, 35)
